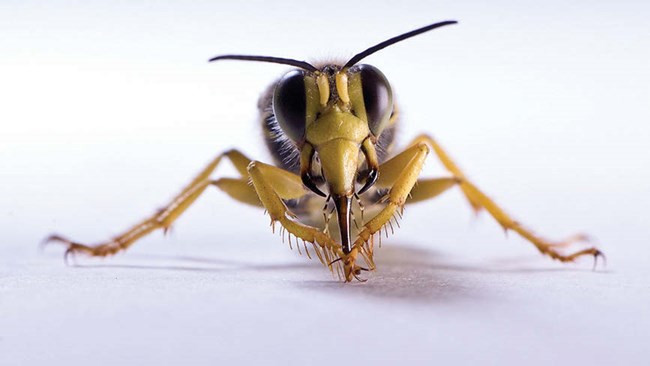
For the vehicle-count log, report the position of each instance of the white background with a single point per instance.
(108, 108)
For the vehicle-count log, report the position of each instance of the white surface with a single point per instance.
(107, 110)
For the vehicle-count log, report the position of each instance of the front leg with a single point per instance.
(272, 185)
(400, 174)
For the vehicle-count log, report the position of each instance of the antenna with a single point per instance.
(394, 40)
(277, 60)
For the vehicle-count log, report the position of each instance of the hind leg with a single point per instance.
(479, 201)
(166, 216)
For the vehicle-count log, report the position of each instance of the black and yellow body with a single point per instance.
(330, 130)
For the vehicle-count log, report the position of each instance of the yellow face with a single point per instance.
(335, 133)
(337, 115)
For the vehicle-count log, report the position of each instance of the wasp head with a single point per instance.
(334, 115)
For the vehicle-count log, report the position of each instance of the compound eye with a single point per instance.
(377, 97)
(290, 104)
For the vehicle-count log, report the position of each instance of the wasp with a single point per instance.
(331, 129)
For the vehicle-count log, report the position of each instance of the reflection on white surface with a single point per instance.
(108, 109)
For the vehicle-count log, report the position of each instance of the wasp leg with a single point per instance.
(164, 218)
(478, 200)
(424, 188)
(272, 185)
(239, 189)
(401, 181)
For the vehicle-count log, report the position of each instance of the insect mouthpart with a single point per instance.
(343, 210)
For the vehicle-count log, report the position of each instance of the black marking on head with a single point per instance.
(290, 104)
(284, 151)
(377, 97)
